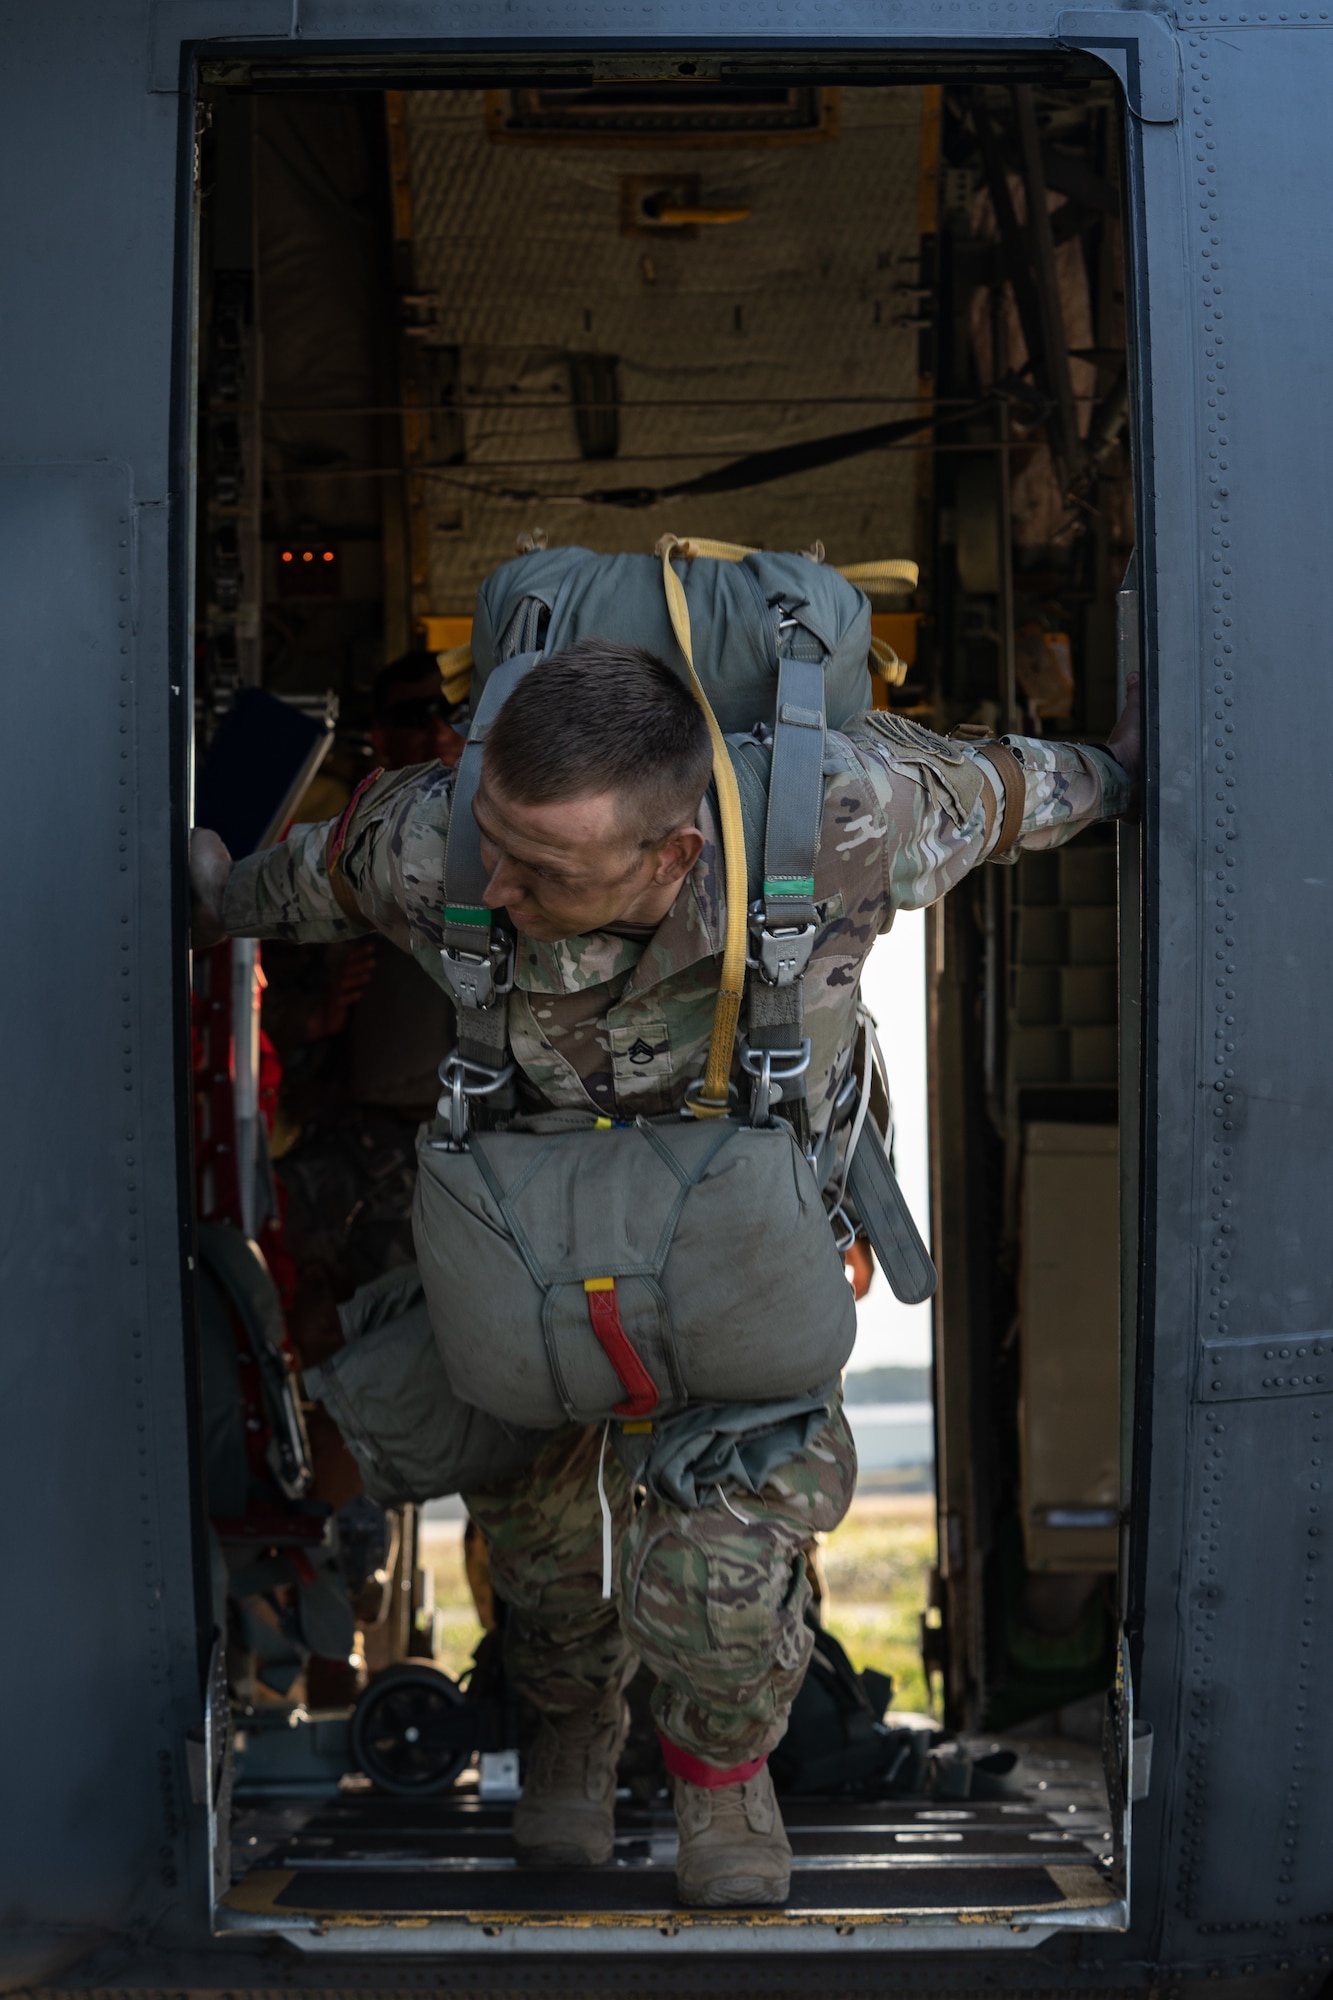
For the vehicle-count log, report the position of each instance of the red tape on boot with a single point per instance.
(695, 1772)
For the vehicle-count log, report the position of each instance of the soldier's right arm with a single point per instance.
(937, 807)
(386, 851)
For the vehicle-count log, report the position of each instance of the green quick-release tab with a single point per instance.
(797, 887)
(465, 913)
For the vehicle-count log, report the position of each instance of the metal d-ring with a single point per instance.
(455, 1072)
(844, 1236)
(694, 1096)
(771, 1070)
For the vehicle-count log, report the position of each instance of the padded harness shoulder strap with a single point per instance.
(477, 959)
(782, 926)
(795, 796)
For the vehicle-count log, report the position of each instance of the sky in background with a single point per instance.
(894, 988)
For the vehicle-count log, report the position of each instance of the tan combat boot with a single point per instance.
(733, 1845)
(566, 1817)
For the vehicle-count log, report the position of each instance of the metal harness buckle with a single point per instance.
(694, 1094)
(770, 1070)
(782, 955)
(475, 979)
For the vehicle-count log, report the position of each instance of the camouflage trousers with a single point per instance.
(712, 1600)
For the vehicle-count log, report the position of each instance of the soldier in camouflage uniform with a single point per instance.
(614, 1014)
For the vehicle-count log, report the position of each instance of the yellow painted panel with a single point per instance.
(256, 1894)
(899, 628)
(440, 634)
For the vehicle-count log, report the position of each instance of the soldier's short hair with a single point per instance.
(597, 717)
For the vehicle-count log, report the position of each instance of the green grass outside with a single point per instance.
(876, 1564)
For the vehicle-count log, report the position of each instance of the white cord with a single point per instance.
(744, 1518)
(883, 1069)
(867, 1021)
(606, 1512)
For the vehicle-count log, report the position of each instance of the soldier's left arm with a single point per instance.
(378, 868)
(937, 805)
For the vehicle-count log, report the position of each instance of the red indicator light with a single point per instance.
(306, 556)
(286, 555)
(328, 555)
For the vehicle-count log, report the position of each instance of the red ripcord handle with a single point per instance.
(604, 1313)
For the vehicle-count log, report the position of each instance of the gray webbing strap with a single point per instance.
(795, 796)
(521, 633)
(465, 915)
(887, 1220)
(776, 1053)
(483, 1032)
(775, 1014)
(470, 966)
(752, 763)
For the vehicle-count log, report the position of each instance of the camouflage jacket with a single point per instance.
(622, 1027)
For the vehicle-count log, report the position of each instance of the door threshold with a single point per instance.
(692, 1933)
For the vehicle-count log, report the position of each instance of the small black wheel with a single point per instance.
(413, 1731)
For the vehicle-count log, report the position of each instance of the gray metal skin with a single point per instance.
(101, 1843)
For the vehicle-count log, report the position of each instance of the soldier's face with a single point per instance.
(564, 868)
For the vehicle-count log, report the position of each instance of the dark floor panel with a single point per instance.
(382, 1832)
(646, 1891)
(485, 1845)
(372, 1816)
(363, 1804)
(362, 1858)
(360, 1808)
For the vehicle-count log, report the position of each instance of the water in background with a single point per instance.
(893, 1438)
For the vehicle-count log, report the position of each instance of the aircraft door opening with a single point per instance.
(440, 327)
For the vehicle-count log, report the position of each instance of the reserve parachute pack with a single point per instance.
(579, 1268)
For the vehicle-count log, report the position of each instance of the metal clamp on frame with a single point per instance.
(770, 1070)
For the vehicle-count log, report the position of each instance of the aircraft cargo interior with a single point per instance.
(446, 320)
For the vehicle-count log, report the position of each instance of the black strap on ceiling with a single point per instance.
(758, 468)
